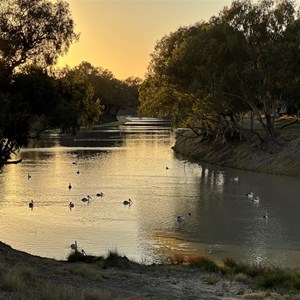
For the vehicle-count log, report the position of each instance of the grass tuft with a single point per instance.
(233, 267)
(204, 263)
(77, 256)
(114, 259)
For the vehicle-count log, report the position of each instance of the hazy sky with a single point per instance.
(119, 35)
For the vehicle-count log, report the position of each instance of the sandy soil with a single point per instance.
(280, 158)
(92, 281)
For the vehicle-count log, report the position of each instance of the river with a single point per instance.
(136, 161)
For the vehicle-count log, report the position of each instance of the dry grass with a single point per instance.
(85, 281)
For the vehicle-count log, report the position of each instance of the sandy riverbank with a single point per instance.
(279, 159)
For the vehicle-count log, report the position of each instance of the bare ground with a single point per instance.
(24, 276)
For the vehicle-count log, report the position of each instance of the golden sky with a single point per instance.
(120, 35)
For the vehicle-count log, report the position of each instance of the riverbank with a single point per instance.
(23, 276)
(281, 158)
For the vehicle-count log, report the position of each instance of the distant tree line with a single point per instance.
(209, 75)
(33, 96)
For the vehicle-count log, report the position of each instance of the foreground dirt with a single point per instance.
(50, 279)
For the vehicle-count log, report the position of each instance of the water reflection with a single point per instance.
(137, 162)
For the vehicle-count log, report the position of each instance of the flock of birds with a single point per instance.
(128, 202)
(74, 246)
(180, 218)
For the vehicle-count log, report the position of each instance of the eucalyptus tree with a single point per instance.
(112, 93)
(272, 32)
(32, 32)
(208, 74)
(186, 77)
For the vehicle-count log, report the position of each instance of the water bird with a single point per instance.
(256, 199)
(100, 194)
(78, 172)
(28, 176)
(30, 204)
(250, 195)
(181, 218)
(71, 204)
(86, 199)
(74, 246)
(167, 168)
(127, 202)
(70, 186)
(74, 162)
(265, 216)
(83, 252)
(236, 179)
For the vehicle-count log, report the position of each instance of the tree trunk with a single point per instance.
(270, 125)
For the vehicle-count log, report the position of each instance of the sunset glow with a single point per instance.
(121, 35)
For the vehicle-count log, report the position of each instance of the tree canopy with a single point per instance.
(114, 94)
(209, 74)
(33, 33)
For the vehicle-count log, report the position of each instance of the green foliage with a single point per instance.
(266, 277)
(33, 30)
(205, 264)
(206, 76)
(111, 92)
(33, 33)
(254, 270)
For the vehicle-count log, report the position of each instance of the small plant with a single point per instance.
(233, 267)
(211, 279)
(275, 279)
(203, 263)
(78, 256)
(241, 277)
(114, 259)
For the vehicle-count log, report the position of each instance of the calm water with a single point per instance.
(130, 162)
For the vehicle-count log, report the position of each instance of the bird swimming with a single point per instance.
(30, 204)
(71, 204)
(127, 202)
(236, 179)
(86, 199)
(100, 194)
(181, 218)
(265, 216)
(28, 176)
(256, 199)
(74, 246)
(70, 186)
(250, 195)
(78, 172)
